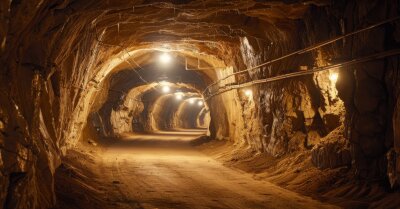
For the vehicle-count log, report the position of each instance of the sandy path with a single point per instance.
(164, 171)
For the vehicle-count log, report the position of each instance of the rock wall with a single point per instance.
(126, 117)
(365, 88)
(283, 116)
(203, 118)
(317, 112)
(34, 103)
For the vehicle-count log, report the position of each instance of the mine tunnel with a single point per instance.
(199, 104)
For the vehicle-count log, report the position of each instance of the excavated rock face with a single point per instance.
(60, 59)
(203, 119)
(363, 87)
(332, 152)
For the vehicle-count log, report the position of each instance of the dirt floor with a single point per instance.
(165, 170)
(296, 173)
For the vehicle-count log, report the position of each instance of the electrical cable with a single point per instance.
(302, 51)
(308, 72)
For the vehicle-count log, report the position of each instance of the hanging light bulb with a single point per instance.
(163, 83)
(165, 86)
(165, 58)
(179, 96)
(166, 89)
(191, 101)
(333, 77)
(248, 92)
(200, 103)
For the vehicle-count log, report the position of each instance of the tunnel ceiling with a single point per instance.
(121, 26)
(122, 34)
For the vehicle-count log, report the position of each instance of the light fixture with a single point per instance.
(165, 58)
(200, 103)
(333, 77)
(179, 96)
(248, 92)
(164, 83)
(166, 89)
(191, 101)
(165, 86)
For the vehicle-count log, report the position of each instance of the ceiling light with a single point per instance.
(200, 103)
(164, 83)
(166, 89)
(191, 101)
(333, 77)
(248, 92)
(179, 96)
(165, 58)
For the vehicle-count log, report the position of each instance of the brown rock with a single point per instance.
(296, 142)
(368, 124)
(331, 152)
(372, 146)
(313, 138)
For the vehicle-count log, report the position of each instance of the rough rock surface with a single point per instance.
(332, 152)
(57, 59)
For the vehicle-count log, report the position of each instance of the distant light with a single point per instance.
(179, 96)
(191, 101)
(165, 58)
(200, 103)
(248, 92)
(164, 83)
(166, 89)
(333, 77)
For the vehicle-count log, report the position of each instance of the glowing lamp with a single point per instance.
(165, 58)
(248, 92)
(333, 77)
(166, 89)
(191, 101)
(179, 96)
(200, 103)
(164, 83)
